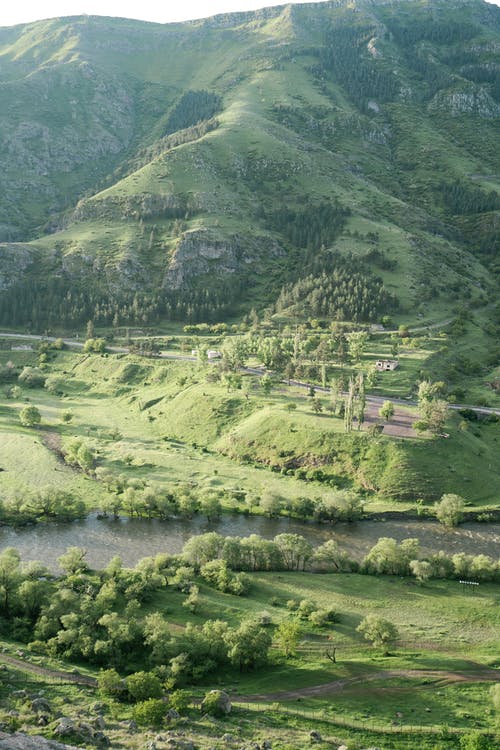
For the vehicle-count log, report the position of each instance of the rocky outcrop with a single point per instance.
(19, 741)
(465, 101)
(199, 253)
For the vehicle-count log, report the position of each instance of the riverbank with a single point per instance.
(134, 538)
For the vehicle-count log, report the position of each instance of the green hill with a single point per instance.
(191, 171)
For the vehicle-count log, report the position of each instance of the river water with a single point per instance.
(133, 539)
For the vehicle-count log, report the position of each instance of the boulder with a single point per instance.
(19, 741)
(65, 726)
(100, 739)
(17, 694)
(216, 702)
(41, 706)
(315, 736)
(172, 714)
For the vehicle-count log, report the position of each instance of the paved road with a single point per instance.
(375, 400)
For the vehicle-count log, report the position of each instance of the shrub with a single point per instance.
(449, 510)
(180, 700)
(144, 685)
(110, 684)
(32, 377)
(150, 712)
(30, 416)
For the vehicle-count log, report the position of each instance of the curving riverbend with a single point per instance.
(133, 538)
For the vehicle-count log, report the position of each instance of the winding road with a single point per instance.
(375, 401)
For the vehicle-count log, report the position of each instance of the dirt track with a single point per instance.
(479, 674)
(26, 666)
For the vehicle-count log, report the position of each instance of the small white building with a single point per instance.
(213, 354)
(386, 364)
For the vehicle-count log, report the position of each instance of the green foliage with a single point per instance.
(379, 631)
(449, 510)
(339, 293)
(144, 685)
(180, 700)
(216, 573)
(30, 416)
(94, 345)
(110, 684)
(311, 227)
(248, 645)
(386, 411)
(345, 58)
(73, 560)
(474, 741)
(192, 108)
(287, 636)
(32, 377)
(79, 454)
(150, 712)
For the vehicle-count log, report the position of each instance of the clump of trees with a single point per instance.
(433, 408)
(294, 552)
(341, 293)
(101, 617)
(21, 507)
(378, 631)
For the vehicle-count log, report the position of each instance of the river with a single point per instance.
(133, 539)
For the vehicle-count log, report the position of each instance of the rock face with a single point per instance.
(19, 741)
(198, 253)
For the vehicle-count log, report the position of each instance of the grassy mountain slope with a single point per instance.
(184, 170)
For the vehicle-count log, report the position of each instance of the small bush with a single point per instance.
(150, 712)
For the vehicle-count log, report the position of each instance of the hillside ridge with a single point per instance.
(199, 167)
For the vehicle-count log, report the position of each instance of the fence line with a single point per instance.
(319, 716)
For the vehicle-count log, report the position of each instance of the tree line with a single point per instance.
(43, 302)
(340, 293)
(192, 108)
(105, 617)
